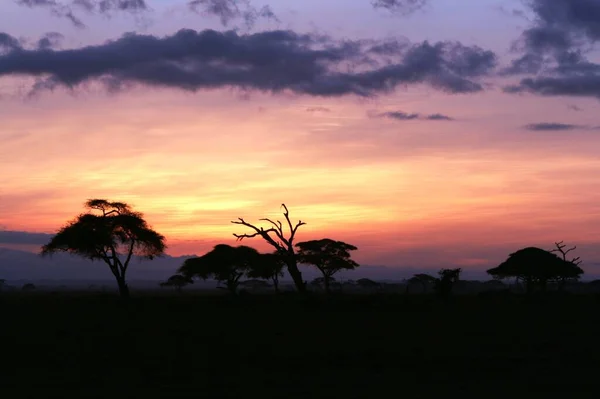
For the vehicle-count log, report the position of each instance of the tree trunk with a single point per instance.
(327, 284)
(123, 288)
(276, 284)
(529, 286)
(232, 287)
(562, 283)
(292, 266)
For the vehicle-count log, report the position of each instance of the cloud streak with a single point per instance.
(67, 9)
(404, 116)
(229, 10)
(272, 61)
(552, 126)
(403, 7)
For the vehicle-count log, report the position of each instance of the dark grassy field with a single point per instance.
(265, 346)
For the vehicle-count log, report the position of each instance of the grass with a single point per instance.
(265, 346)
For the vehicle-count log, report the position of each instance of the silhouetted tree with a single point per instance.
(224, 263)
(28, 287)
(268, 267)
(178, 281)
(275, 236)
(114, 234)
(423, 279)
(255, 283)
(535, 266)
(367, 283)
(560, 248)
(446, 281)
(329, 256)
(320, 281)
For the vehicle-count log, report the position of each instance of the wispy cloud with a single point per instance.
(403, 7)
(404, 116)
(551, 126)
(230, 10)
(318, 109)
(68, 9)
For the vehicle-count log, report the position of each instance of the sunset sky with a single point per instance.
(437, 132)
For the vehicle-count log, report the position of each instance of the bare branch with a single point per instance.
(570, 249)
(560, 247)
(292, 229)
(258, 232)
(240, 237)
(278, 227)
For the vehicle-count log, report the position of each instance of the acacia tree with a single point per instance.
(367, 283)
(111, 232)
(446, 281)
(283, 245)
(224, 263)
(327, 255)
(535, 266)
(178, 281)
(423, 279)
(268, 267)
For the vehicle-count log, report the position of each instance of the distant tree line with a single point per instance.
(112, 232)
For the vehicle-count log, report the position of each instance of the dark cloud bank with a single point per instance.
(555, 50)
(271, 61)
(553, 55)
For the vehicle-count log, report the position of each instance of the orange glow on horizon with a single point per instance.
(193, 164)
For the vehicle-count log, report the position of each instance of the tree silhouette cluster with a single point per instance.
(535, 267)
(442, 285)
(114, 233)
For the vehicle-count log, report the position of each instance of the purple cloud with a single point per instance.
(67, 9)
(273, 61)
(404, 116)
(404, 7)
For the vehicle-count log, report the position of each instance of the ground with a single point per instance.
(78, 346)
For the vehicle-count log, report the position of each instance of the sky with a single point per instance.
(425, 132)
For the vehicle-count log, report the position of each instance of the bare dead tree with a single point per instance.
(276, 237)
(560, 248)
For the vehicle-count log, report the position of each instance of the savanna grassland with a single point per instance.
(263, 346)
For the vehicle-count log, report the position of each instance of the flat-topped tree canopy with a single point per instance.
(223, 263)
(109, 231)
(537, 264)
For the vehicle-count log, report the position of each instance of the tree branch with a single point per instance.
(278, 228)
(292, 229)
(258, 232)
(129, 254)
(560, 247)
